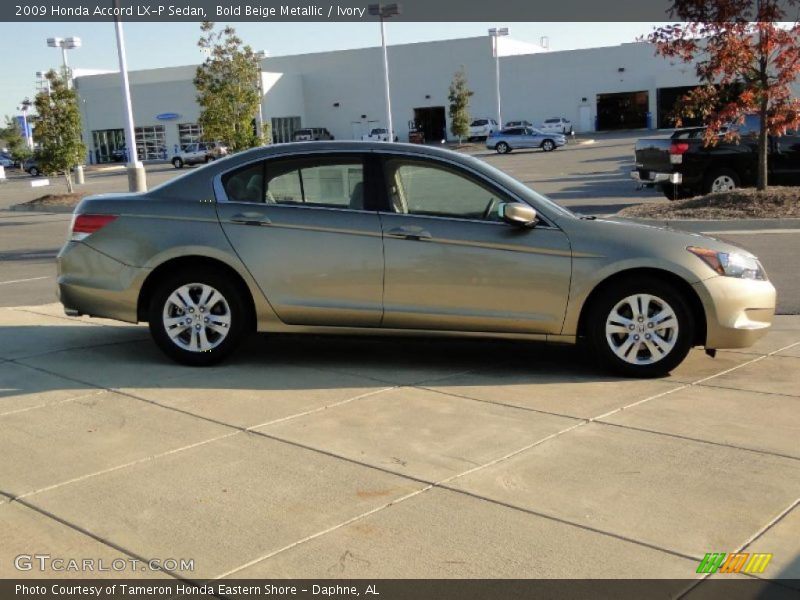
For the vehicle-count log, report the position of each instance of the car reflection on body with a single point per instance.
(366, 237)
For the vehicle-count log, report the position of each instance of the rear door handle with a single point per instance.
(410, 233)
(251, 218)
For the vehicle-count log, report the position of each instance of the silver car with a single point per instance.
(516, 138)
(375, 237)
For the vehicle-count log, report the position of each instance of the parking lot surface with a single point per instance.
(361, 458)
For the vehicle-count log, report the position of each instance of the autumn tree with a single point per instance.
(459, 104)
(58, 129)
(740, 45)
(227, 88)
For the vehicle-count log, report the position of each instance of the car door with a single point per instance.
(306, 230)
(528, 139)
(785, 158)
(452, 264)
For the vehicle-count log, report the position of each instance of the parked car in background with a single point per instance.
(119, 155)
(425, 251)
(480, 129)
(216, 150)
(517, 138)
(312, 134)
(557, 124)
(6, 161)
(681, 165)
(523, 123)
(378, 134)
(31, 166)
(193, 154)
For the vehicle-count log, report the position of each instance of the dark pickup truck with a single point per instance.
(682, 166)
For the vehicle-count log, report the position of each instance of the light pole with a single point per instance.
(24, 107)
(42, 82)
(386, 11)
(65, 44)
(496, 33)
(259, 56)
(136, 174)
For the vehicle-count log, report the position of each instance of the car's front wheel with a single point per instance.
(640, 327)
(548, 145)
(34, 172)
(177, 163)
(198, 317)
(503, 148)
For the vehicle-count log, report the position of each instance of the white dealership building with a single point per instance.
(624, 86)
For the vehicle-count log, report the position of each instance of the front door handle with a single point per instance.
(251, 218)
(410, 233)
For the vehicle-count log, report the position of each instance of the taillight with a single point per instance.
(678, 147)
(85, 225)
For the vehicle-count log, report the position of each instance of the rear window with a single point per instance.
(553, 121)
(303, 132)
(479, 122)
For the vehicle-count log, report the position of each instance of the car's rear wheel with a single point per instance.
(721, 180)
(640, 327)
(177, 163)
(548, 145)
(33, 171)
(503, 148)
(198, 317)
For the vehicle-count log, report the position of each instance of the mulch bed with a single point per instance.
(774, 203)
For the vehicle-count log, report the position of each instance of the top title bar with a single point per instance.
(349, 10)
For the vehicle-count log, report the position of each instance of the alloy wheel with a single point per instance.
(641, 329)
(196, 317)
(723, 183)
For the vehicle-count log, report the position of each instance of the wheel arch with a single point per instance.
(684, 287)
(174, 265)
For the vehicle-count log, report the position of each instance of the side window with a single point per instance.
(246, 184)
(437, 191)
(328, 183)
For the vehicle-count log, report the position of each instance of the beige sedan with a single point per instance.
(357, 237)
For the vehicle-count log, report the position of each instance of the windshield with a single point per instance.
(553, 121)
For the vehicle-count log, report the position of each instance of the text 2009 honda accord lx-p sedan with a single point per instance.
(373, 237)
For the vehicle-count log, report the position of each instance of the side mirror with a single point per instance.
(516, 213)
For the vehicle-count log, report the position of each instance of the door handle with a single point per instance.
(410, 233)
(251, 218)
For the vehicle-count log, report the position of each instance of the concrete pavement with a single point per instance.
(363, 458)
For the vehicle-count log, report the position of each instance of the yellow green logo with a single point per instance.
(736, 562)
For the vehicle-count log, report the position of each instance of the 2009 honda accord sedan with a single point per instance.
(360, 237)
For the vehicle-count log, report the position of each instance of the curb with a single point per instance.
(698, 226)
(41, 209)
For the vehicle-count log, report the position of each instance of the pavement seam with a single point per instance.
(56, 403)
(735, 389)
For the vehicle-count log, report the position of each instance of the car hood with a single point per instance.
(631, 244)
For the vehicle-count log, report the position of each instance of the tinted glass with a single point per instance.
(418, 188)
(333, 183)
(245, 185)
(553, 121)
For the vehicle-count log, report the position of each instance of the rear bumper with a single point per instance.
(738, 311)
(653, 177)
(92, 283)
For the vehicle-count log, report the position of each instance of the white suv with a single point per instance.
(197, 153)
(482, 128)
(557, 125)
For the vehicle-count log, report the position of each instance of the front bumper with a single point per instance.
(653, 177)
(92, 283)
(738, 311)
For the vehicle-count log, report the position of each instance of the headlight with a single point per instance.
(731, 264)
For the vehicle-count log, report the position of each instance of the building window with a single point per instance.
(189, 133)
(109, 145)
(151, 143)
(283, 129)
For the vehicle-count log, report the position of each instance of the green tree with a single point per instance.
(459, 104)
(16, 143)
(58, 129)
(227, 88)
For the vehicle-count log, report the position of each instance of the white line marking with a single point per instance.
(24, 280)
(749, 231)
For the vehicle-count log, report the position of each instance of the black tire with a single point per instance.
(635, 364)
(234, 308)
(502, 148)
(548, 145)
(720, 175)
(34, 172)
(177, 163)
(675, 192)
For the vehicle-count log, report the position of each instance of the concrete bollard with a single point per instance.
(137, 178)
(79, 179)
(2, 173)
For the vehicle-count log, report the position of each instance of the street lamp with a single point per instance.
(259, 56)
(42, 82)
(65, 44)
(385, 11)
(495, 33)
(24, 107)
(136, 172)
